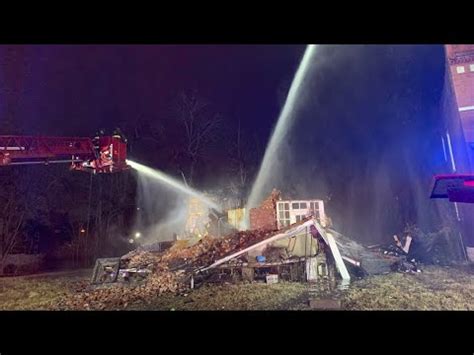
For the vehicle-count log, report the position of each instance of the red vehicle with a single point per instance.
(102, 154)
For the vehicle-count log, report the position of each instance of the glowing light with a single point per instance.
(138, 235)
(131, 241)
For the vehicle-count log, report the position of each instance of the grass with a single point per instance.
(38, 292)
(255, 296)
(437, 288)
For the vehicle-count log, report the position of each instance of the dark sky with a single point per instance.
(367, 135)
(368, 130)
(75, 89)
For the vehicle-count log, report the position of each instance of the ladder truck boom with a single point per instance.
(102, 154)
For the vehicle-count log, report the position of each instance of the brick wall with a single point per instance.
(467, 119)
(264, 216)
(463, 83)
(459, 91)
(453, 124)
(452, 49)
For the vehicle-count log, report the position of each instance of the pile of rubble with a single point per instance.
(409, 252)
(204, 252)
(175, 269)
(169, 271)
(118, 296)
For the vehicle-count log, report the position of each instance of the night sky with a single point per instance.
(76, 89)
(366, 134)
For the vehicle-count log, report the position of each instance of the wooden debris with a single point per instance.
(169, 271)
(271, 279)
(248, 274)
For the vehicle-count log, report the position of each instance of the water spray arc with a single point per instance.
(284, 122)
(173, 183)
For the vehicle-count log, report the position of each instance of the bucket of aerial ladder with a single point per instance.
(111, 156)
(102, 154)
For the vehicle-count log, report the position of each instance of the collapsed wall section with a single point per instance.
(264, 216)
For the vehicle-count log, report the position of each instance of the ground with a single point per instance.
(436, 288)
(37, 292)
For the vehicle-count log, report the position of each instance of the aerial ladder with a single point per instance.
(101, 154)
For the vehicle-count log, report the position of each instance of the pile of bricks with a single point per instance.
(264, 216)
(170, 271)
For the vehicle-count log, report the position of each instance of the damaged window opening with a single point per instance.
(299, 211)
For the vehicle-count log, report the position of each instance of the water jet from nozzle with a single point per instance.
(260, 186)
(171, 182)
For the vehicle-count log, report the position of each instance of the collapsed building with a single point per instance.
(308, 250)
(288, 240)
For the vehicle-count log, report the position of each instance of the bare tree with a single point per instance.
(240, 158)
(17, 203)
(143, 129)
(243, 154)
(200, 122)
(11, 221)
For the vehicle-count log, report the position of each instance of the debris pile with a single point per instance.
(118, 296)
(404, 265)
(442, 247)
(415, 248)
(187, 262)
(372, 263)
(170, 271)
